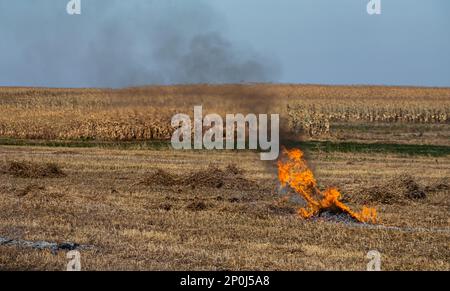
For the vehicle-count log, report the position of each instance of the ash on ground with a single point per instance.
(330, 216)
(54, 247)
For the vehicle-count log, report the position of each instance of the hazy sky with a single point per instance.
(116, 43)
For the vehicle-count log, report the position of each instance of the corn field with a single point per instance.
(145, 113)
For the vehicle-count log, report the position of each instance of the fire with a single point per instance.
(294, 172)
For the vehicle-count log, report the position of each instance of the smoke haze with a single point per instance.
(123, 43)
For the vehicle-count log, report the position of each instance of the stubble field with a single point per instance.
(93, 167)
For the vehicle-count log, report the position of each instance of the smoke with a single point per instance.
(123, 43)
(212, 59)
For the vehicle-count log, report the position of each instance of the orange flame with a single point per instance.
(295, 172)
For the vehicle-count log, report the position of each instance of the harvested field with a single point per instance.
(92, 169)
(102, 202)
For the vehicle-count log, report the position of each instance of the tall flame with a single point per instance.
(293, 171)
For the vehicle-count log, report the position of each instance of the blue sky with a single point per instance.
(117, 43)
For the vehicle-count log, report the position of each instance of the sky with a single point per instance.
(116, 43)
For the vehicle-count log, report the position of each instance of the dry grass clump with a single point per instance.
(399, 189)
(23, 169)
(162, 178)
(440, 185)
(33, 188)
(197, 205)
(231, 177)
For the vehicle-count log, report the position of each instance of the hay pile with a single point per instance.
(161, 177)
(441, 185)
(399, 189)
(197, 206)
(231, 177)
(32, 170)
(30, 189)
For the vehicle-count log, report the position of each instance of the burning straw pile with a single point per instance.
(294, 172)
